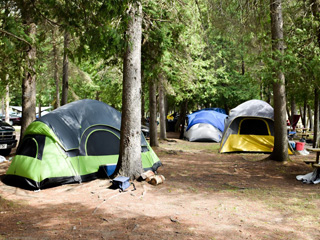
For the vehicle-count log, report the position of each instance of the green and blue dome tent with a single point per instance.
(69, 144)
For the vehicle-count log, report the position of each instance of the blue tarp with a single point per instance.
(212, 117)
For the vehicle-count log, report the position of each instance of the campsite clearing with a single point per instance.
(206, 195)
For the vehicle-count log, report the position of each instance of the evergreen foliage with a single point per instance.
(210, 53)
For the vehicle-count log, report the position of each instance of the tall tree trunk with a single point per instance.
(162, 110)
(39, 109)
(7, 102)
(301, 115)
(183, 112)
(316, 117)
(268, 94)
(315, 12)
(280, 151)
(179, 120)
(226, 108)
(55, 67)
(2, 106)
(310, 117)
(29, 80)
(167, 112)
(289, 114)
(304, 114)
(129, 163)
(293, 109)
(98, 95)
(261, 90)
(153, 114)
(65, 74)
(143, 119)
(243, 68)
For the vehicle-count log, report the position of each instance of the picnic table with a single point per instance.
(304, 133)
(314, 163)
(313, 177)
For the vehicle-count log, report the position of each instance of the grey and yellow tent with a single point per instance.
(249, 128)
(69, 144)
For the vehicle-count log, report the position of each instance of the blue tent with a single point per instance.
(220, 110)
(212, 117)
(205, 125)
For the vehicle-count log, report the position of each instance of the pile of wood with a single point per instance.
(152, 178)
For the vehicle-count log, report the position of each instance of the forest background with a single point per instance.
(194, 54)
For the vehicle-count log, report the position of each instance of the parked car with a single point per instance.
(14, 119)
(7, 138)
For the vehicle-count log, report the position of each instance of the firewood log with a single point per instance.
(147, 174)
(157, 179)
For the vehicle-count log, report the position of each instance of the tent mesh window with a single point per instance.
(102, 142)
(144, 149)
(253, 127)
(32, 147)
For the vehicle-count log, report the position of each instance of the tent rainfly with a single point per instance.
(249, 128)
(205, 125)
(69, 144)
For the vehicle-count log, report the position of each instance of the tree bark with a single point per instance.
(289, 115)
(162, 110)
(268, 94)
(226, 108)
(7, 101)
(29, 80)
(39, 109)
(130, 139)
(280, 151)
(303, 113)
(261, 90)
(243, 69)
(55, 67)
(316, 117)
(310, 117)
(65, 74)
(293, 109)
(143, 119)
(2, 106)
(153, 114)
(98, 95)
(183, 112)
(315, 12)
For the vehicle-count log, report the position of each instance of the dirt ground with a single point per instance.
(206, 195)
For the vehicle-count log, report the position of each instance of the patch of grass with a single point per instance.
(281, 169)
(301, 207)
(8, 205)
(230, 187)
(193, 189)
(252, 157)
(208, 147)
